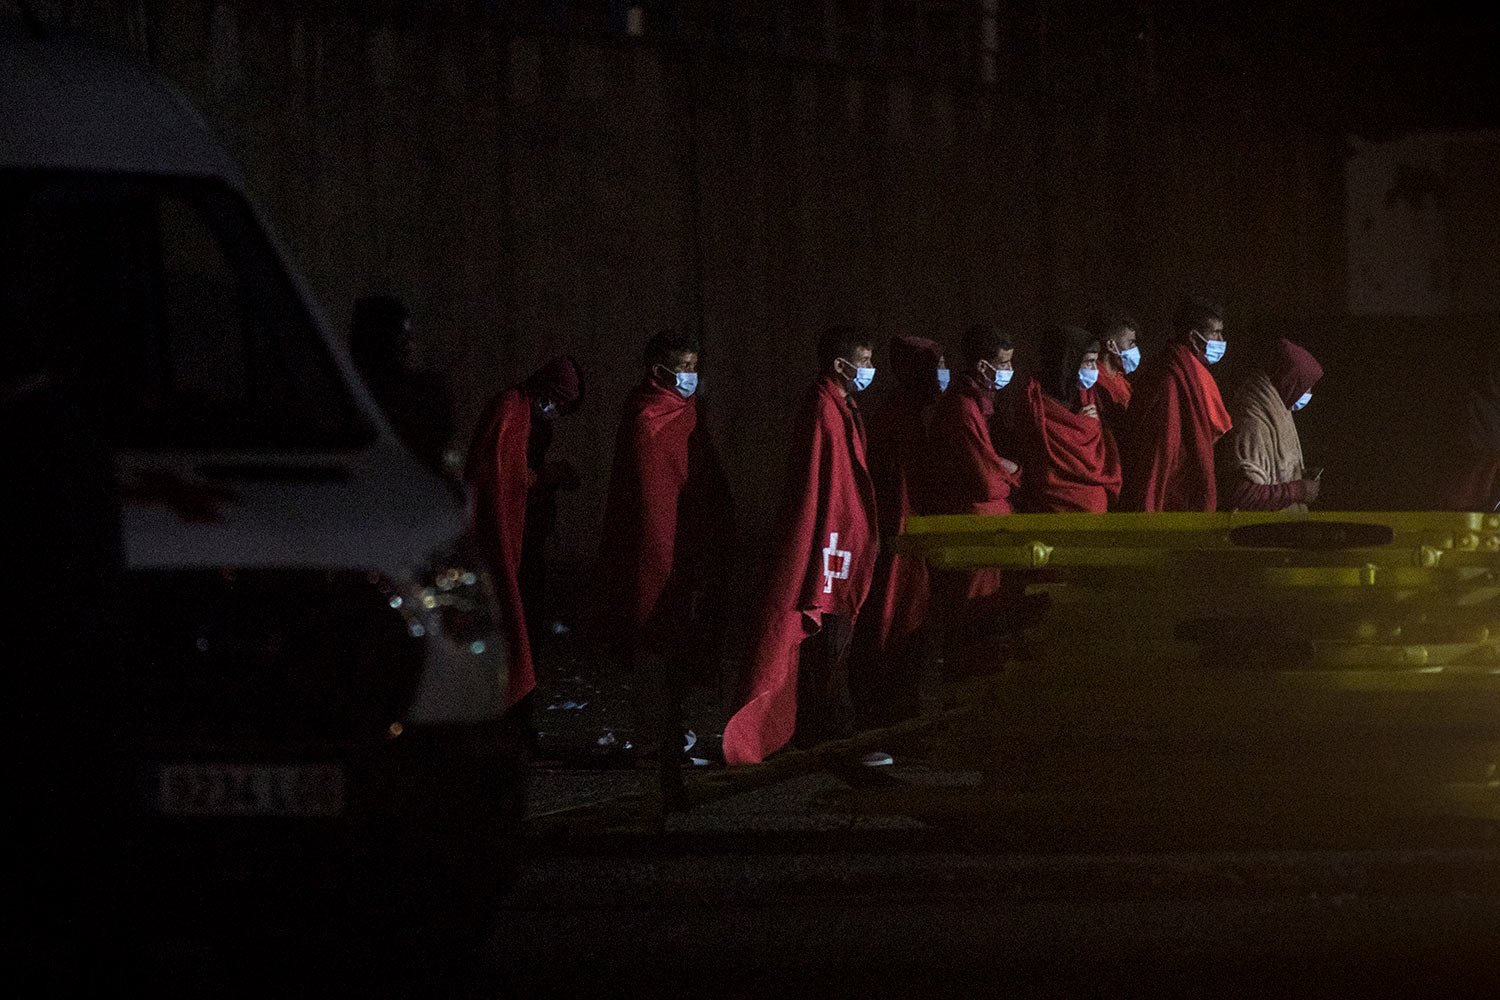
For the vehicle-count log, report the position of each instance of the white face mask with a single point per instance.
(1130, 359)
(1087, 377)
(944, 376)
(1300, 403)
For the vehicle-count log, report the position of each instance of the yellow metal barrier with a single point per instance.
(1340, 668)
(1345, 590)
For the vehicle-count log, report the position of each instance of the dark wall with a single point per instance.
(548, 193)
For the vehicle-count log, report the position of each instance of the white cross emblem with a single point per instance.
(829, 554)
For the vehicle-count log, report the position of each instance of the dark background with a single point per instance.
(568, 174)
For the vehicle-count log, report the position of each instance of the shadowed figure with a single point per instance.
(1472, 477)
(415, 400)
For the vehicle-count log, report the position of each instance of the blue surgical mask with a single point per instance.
(1213, 351)
(1087, 377)
(862, 378)
(1001, 378)
(944, 377)
(687, 383)
(1130, 359)
(1300, 403)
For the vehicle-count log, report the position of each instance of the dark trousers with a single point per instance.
(659, 686)
(891, 686)
(660, 682)
(825, 710)
(531, 577)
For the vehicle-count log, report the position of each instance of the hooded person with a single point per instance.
(965, 474)
(1471, 481)
(1176, 416)
(668, 543)
(891, 637)
(510, 480)
(1260, 465)
(796, 676)
(416, 401)
(1068, 456)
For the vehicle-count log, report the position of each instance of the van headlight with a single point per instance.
(451, 598)
(448, 603)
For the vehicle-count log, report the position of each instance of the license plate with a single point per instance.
(251, 790)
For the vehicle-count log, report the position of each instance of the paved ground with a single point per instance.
(1215, 834)
(848, 917)
(584, 713)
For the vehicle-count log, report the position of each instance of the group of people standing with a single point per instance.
(845, 627)
(841, 628)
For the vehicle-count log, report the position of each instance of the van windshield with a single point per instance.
(161, 299)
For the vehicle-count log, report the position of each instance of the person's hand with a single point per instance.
(1091, 411)
(1011, 468)
(1311, 489)
(560, 474)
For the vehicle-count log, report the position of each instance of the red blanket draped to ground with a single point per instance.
(497, 472)
(825, 555)
(1176, 415)
(1070, 460)
(668, 522)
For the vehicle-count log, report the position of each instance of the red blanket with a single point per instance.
(964, 473)
(668, 522)
(1176, 415)
(1070, 460)
(825, 555)
(497, 471)
(888, 644)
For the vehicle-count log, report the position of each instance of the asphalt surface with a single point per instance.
(1346, 845)
(895, 920)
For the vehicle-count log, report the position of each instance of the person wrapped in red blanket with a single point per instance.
(1119, 358)
(796, 677)
(966, 475)
(1068, 456)
(1176, 416)
(668, 546)
(890, 640)
(503, 476)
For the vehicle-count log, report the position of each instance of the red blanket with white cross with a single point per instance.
(825, 554)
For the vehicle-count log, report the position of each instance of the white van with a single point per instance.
(317, 669)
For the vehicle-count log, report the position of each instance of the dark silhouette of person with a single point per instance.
(415, 400)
